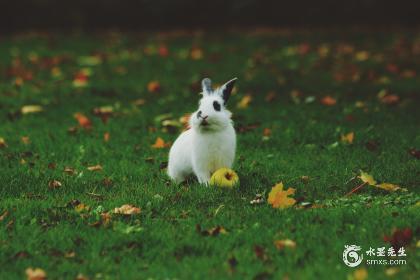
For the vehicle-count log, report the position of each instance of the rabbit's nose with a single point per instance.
(204, 117)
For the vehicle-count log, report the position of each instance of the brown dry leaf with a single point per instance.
(4, 215)
(328, 101)
(97, 167)
(2, 143)
(25, 140)
(54, 184)
(284, 243)
(267, 132)
(104, 112)
(348, 138)
(127, 209)
(271, 95)
(35, 274)
(196, 53)
(160, 143)
(106, 136)
(29, 109)
(69, 170)
(153, 86)
(245, 101)
(83, 120)
(139, 102)
(279, 198)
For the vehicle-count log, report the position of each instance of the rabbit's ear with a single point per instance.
(226, 89)
(206, 85)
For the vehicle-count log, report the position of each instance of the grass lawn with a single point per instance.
(105, 99)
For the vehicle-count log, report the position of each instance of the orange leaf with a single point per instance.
(106, 136)
(160, 143)
(245, 101)
(279, 198)
(347, 138)
(153, 86)
(83, 121)
(281, 244)
(328, 101)
(196, 53)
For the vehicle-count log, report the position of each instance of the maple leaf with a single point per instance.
(245, 101)
(279, 198)
(347, 138)
(284, 243)
(160, 143)
(399, 238)
(328, 101)
(127, 209)
(35, 274)
(30, 109)
(368, 179)
(153, 86)
(83, 120)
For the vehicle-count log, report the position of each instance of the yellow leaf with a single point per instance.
(127, 209)
(285, 243)
(35, 274)
(29, 109)
(25, 140)
(390, 187)
(360, 274)
(160, 143)
(2, 143)
(245, 101)
(81, 208)
(347, 138)
(362, 55)
(279, 198)
(367, 178)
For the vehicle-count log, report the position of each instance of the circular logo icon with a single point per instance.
(351, 257)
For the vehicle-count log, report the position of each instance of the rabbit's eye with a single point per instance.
(216, 106)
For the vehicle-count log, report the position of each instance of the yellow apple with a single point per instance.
(224, 178)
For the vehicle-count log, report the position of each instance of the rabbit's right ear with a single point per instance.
(206, 85)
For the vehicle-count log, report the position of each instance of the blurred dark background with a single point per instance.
(162, 14)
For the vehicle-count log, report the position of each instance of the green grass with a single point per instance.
(43, 229)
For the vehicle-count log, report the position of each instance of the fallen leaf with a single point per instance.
(259, 198)
(54, 184)
(81, 79)
(160, 143)
(347, 138)
(245, 101)
(328, 101)
(139, 102)
(260, 252)
(25, 140)
(267, 132)
(104, 112)
(94, 167)
(196, 53)
(414, 152)
(106, 136)
(360, 274)
(153, 86)
(81, 207)
(35, 274)
(392, 271)
(390, 187)
(362, 56)
(29, 109)
(127, 209)
(279, 198)
(83, 120)
(399, 238)
(212, 231)
(4, 215)
(69, 170)
(163, 51)
(2, 143)
(285, 243)
(367, 178)
(271, 95)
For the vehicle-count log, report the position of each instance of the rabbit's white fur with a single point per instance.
(210, 143)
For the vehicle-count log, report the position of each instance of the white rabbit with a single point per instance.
(210, 143)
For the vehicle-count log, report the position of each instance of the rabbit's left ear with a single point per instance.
(226, 89)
